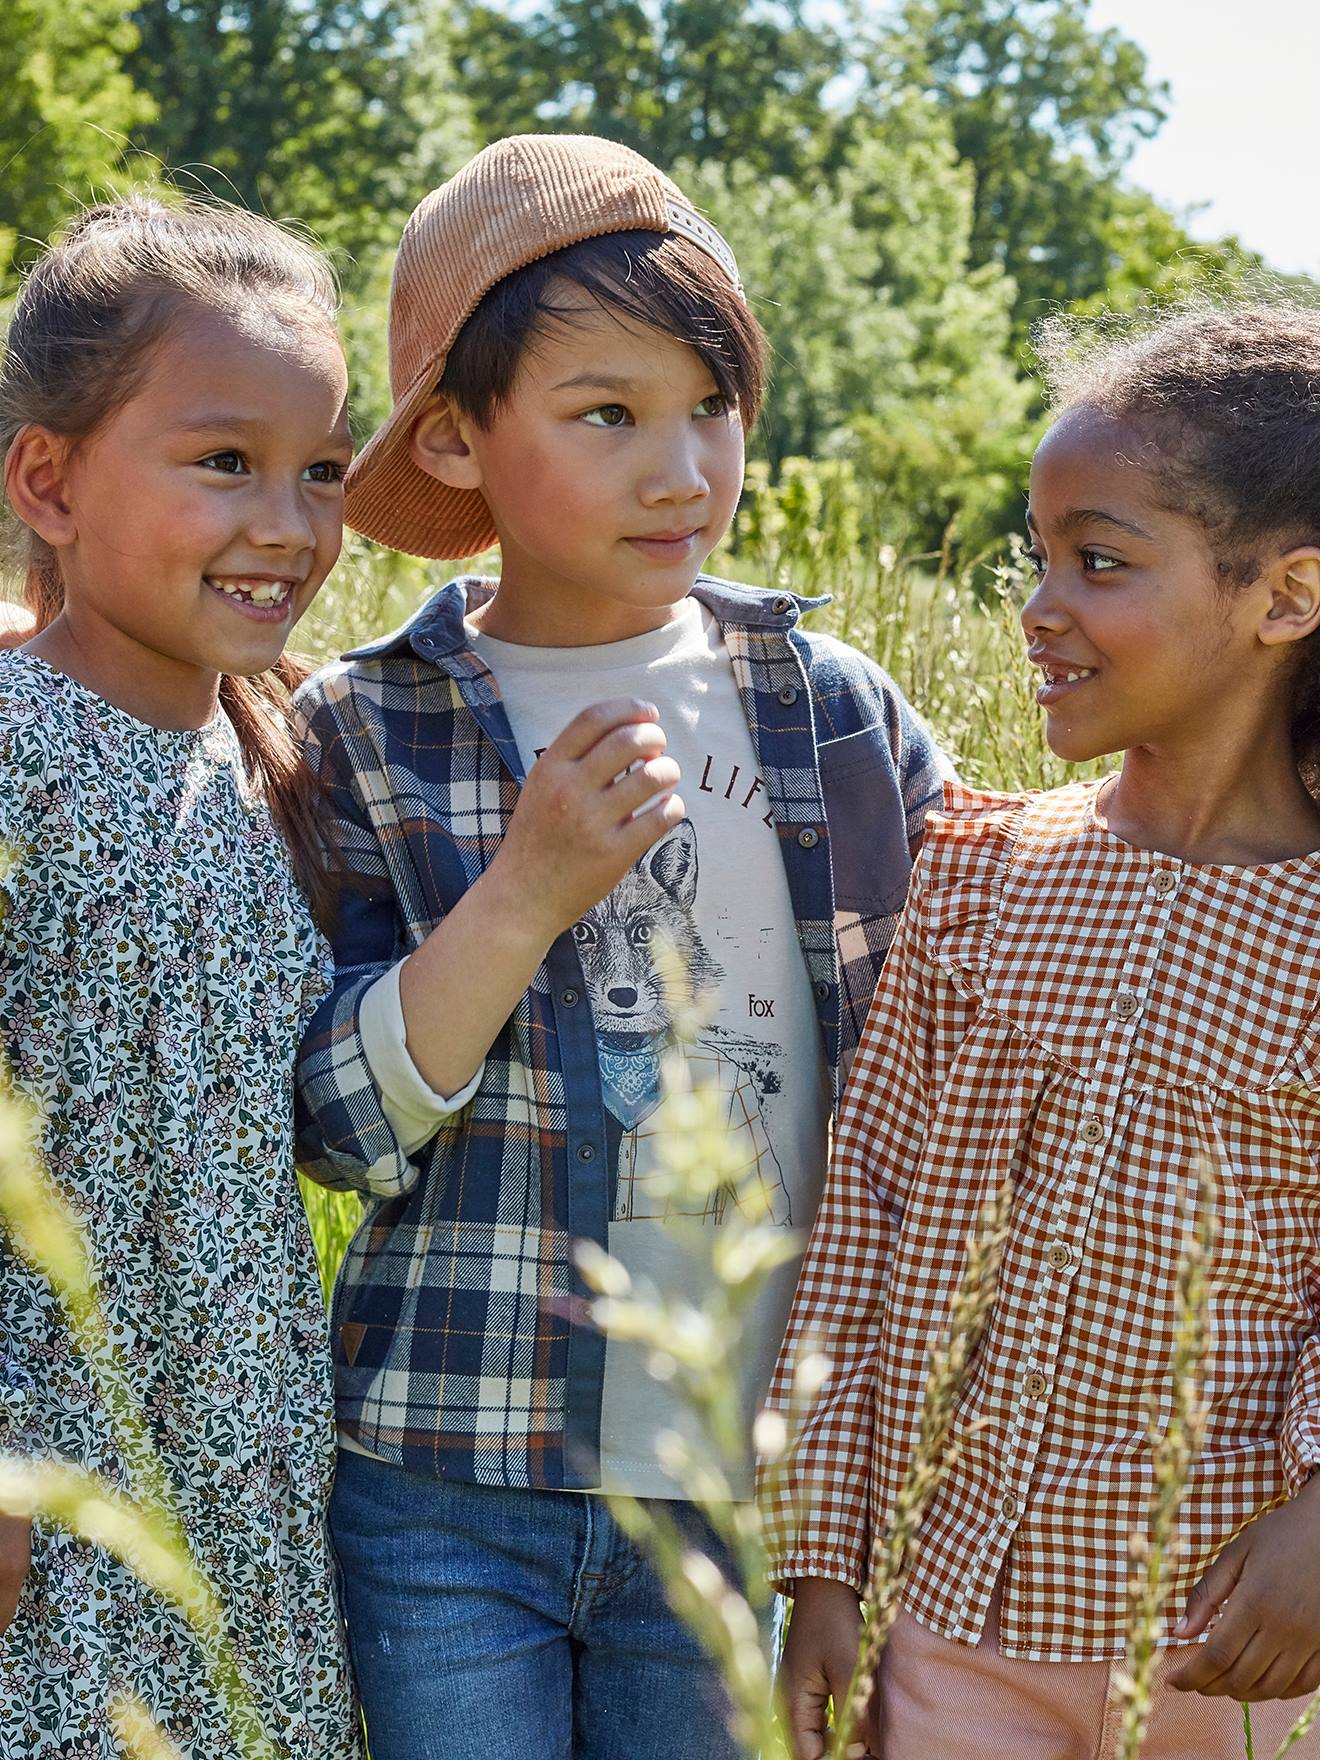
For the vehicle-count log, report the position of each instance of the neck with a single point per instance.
(1239, 802)
(169, 694)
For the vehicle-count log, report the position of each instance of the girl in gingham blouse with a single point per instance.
(1094, 992)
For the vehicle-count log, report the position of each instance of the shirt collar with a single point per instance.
(437, 628)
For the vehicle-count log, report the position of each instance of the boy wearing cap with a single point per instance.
(574, 367)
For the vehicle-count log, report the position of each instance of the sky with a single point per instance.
(1243, 133)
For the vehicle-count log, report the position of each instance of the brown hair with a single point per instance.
(1230, 395)
(661, 280)
(79, 346)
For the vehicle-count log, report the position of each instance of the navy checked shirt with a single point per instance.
(459, 1344)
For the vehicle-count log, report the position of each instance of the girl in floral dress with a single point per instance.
(1099, 996)
(172, 401)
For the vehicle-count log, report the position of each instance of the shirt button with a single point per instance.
(1126, 1005)
(569, 998)
(1164, 880)
(1092, 1130)
(1008, 1508)
(586, 1152)
(823, 989)
(788, 696)
(1035, 1384)
(1059, 1256)
(781, 604)
(808, 838)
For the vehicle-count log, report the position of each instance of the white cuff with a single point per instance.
(414, 1110)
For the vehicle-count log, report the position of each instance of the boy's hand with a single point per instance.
(1266, 1644)
(15, 1557)
(573, 837)
(820, 1654)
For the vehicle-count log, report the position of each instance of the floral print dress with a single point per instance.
(156, 966)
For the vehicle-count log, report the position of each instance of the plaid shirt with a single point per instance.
(459, 1347)
(1090, 1019)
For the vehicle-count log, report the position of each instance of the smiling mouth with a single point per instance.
(251, 591)
(1058, 682)
(1067, 675)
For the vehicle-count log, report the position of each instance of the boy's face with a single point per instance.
(611, 474)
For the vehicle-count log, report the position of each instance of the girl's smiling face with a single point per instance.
(197, 522)
(1137, 641)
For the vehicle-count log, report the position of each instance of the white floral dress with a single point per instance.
(156, 966)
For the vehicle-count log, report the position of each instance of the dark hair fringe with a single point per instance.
(93, 309)
(1228, 389)
(661, 280)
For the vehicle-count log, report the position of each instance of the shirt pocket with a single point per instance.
(869, 854)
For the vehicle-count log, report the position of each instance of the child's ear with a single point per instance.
(35, 481)
(440, 446)
(1294, 611)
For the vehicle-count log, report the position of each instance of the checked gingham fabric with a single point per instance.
(459, 1346)
(1087, 1019)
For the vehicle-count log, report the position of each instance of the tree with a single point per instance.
(69, 106)
(1046, 111)
(697, 79)
(341, 112)
(888, 348)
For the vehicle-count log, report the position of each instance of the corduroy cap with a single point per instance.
(517, 201)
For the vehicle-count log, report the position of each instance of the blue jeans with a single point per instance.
(486, 1622)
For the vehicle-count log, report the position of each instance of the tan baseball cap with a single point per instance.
(517, 201)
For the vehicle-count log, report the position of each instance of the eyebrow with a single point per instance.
(598, 381)
(228, 421)
(219, 419)
(1087, 516)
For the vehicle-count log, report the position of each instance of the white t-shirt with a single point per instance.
(714, 886)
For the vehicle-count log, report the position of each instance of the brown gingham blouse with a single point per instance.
(1089, 1018)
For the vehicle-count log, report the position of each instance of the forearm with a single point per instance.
(465, 980)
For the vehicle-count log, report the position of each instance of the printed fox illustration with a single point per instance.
(616, 941)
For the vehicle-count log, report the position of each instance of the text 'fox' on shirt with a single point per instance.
(1088, 1020)
(714, 889)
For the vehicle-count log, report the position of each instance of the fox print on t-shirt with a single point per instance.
(653, 906)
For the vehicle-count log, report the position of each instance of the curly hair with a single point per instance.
(1228, 395)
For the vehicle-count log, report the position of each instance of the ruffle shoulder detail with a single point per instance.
(970, 838)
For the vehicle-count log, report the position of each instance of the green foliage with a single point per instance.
(696, 79)
(1047, 110)
(889, 349)
(69, 103)
(338, 112)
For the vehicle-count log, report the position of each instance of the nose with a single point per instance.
(1044, 613)
(623, 997)
(676, 472)
(279, 518)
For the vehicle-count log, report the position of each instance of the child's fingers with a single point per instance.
(1306, 1681)
(596, 722)
(1210, 1593)
(806, 1723)
(618, 751)
(1217, 1658)
(1272, 1682)
(633, 791)
(649, 827)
